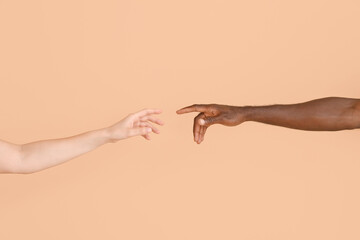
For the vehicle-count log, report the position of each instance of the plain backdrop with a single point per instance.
(71, 66)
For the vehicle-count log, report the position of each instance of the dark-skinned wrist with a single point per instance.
(245, 113)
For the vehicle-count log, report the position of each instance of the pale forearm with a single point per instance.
(36, 156)
(40, 155)
(327, 114)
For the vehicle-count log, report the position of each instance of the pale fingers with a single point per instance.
(152, 119)
(149, 125)
(146, 136)
(139, 131)
(145, 112)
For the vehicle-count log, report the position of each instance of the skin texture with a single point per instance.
(36, 156)
(326, 114)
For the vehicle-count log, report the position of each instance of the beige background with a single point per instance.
(72, 66)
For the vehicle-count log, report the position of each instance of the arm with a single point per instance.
(326, 114)
(36, 156)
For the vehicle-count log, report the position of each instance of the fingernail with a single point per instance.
(149, 130)
(201, 121)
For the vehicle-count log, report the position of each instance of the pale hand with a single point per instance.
(135, 124)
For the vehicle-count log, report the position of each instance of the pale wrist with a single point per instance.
(105, 134)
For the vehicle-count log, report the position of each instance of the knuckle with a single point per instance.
(196, 119)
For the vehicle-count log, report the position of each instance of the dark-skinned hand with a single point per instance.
(212, 114)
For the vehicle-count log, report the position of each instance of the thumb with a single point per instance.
(209, 121)
(139, 131)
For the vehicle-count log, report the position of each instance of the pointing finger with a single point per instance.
(193, 108)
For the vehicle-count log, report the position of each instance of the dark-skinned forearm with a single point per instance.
(326, 114)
